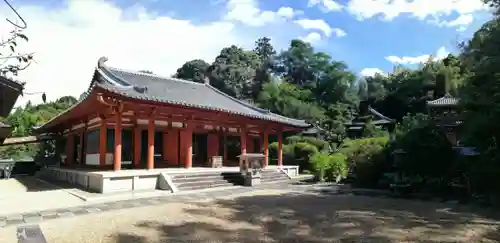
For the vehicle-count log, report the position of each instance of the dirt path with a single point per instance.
(272, 216)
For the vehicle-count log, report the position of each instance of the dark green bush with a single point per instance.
(301, 154)
(293, 154)
(321, 145)
(367, 159)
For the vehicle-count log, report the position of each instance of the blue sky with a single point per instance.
(367, 41)
(160, 35)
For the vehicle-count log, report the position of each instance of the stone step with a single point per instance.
(201, 175)
(210, 177)
(275, 180)
(274, 176)
(199, 186)
(214, 181)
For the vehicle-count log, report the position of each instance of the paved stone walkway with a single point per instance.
(38, 216)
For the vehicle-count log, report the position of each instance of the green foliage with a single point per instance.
(14, 61)
(367, 159)
(318, 143)
(289, 100)
(320, 162)
(293, 154)
(233, 71)
(370, 130)
(410, 122)
(25, 119)
(301, 153)
(194, 70)
(329, 167)
(338, 166)
(428, 152)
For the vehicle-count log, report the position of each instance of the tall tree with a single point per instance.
(480, 94)
(267, 54)
(194, 70)
(297, 63)
(233, 72)
(289, 100)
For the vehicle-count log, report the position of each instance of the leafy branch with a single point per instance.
(12, 61)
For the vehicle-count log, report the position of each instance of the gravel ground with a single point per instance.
(27, 194)
(276, 216)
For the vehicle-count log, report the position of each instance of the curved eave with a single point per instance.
(104, 73)
(375, 112)
(61, 117)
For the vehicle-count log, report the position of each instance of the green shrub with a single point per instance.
(329, 167)
(301, 155)
(320, 162)
(293, 154)
(337, 167)
(367, 159)
(321, 145)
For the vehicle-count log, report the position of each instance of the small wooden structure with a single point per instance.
(366, 115)
(445, 113)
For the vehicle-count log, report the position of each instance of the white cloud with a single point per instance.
(68, 42)
(368, 72)
(461, 22)
(315, 24)
(288, 12)
(321, 25)
(312, 38)
(440, 54)
(421, 9)
(339, 32)
(325, 5)
(249, 13)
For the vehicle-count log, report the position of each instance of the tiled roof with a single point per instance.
(447, 99)
(378, 119)
(167, 90)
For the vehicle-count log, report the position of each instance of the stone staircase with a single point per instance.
(274, 176)
(205, 180)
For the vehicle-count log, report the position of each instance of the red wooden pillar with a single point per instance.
(137, 146)
(151, 143)
(280, 149)
(117, 158)
(70, 149)
(102, 143)
(266, 148)
(187, 146)
(243, 140)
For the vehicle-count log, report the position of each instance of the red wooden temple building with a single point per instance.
(142, 121)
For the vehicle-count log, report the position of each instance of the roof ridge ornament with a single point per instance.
(101, 61)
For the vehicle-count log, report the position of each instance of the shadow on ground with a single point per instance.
(308, 217)
(35, 184)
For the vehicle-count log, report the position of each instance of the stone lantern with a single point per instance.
(251, 168)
